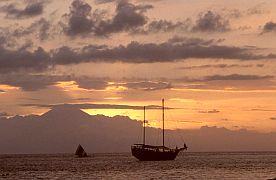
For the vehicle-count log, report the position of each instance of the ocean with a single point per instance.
(188, 165)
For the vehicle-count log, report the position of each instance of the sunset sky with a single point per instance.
(212, 61)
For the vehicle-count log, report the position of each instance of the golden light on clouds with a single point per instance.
(113, 98)
(7, 87)
(68, 86)
(133, 114)
(116, 88)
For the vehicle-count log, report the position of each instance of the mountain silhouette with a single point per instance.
(62, 128)
(65, 114)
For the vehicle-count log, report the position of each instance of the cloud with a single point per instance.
(273, 118)
(211, 22)
(95, 106)
(169, 51)
(163, 26)
(210, 111)
(193, 122)
(269, 27)
(82, 21)
(175, 49)
(91, 83)
(232, 82)
(222, 66)
(103, 1)
(81, 99)
(14, 60)
(2, 91)
(148, 85)
(128, 16)
(259, 109)
(4, 114)
(79, 19)
(30, 82)
(32, 9)
(41, 27)
(236, 77)
(258, 9)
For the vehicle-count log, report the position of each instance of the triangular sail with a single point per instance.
(80, 151)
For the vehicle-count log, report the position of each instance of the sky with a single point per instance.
(212, 61)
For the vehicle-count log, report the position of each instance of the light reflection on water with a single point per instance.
(251, 165)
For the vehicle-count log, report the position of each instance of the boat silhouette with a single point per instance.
(80, 152)
(145, 152)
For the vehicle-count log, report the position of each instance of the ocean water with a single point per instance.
(188, 165)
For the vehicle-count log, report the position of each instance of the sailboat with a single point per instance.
(144, 152)
(80, 152)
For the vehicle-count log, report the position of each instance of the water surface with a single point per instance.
(238, 165)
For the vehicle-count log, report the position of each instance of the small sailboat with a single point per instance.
(80, 152)
(145, 152)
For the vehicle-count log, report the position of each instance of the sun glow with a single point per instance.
(7, 87)
(113, 98)
(68, 85)
(133, 114)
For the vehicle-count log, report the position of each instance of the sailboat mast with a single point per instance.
(163, 117)
(144, 133)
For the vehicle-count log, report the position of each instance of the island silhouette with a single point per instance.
(62, 128)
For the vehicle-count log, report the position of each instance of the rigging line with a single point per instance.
(178, 130)
(172, 134)
(157, 132)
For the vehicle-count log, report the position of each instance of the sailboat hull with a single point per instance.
(145, 152)
(154, 153)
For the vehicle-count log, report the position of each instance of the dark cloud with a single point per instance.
(194, 122)
(3, 37)
(31, 82)
(260, 109)
(236, 77)
(232, 82)
(269, 27)
(222, 66)
(31, 99)
(40, 27)
(258, 9)
(102, 83)
(175, 49)
(81, 99)
(2, 91)
(4, 114)
(211, 22)
(14, 60)
(148, 85)
(104, 1)
(95, 106)
(82, 21)
(28, 82)
(234, 13)
(34, 8)
(91, 83)
(163, 26)
(169, 51)
(79, 19)
(273, 118)
(210, 111)
(128, 16)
